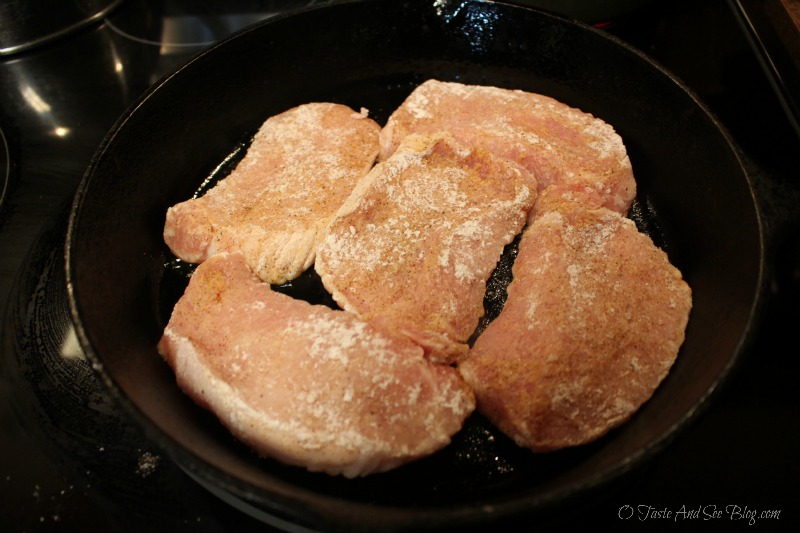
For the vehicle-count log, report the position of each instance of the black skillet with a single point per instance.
(694, 199)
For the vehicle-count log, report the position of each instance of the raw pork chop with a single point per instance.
(412, 248)
(274, 206)
(594, 319)
(563, 147)
(305, 384)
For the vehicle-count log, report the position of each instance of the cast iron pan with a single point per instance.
(694, 199)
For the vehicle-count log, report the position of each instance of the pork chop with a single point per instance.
(561, 146)
(412, 248)
(594, 320)
(306, 384)
(274, 206)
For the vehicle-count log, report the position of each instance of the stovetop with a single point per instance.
(71, 461)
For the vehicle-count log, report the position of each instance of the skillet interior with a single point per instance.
(694, 199)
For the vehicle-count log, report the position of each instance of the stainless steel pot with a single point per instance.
(26, 24)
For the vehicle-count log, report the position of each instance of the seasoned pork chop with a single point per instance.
(274, 206)
(412, 248)
(306, 384)
(594, 319)
(561, 146)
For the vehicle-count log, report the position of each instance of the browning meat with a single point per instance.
(275, 205)
(412, 248)
(564, 148)
(594, 319)
(306, 384)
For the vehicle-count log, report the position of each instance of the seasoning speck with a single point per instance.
(147, 464)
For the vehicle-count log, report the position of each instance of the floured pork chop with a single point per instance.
(594, 319)
(563, 147)
(274, 206)
(305, 384)
(565, 198)
(412, 248)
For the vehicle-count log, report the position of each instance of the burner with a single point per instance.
(61, 409)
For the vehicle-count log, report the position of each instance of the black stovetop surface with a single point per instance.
(70, 461)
